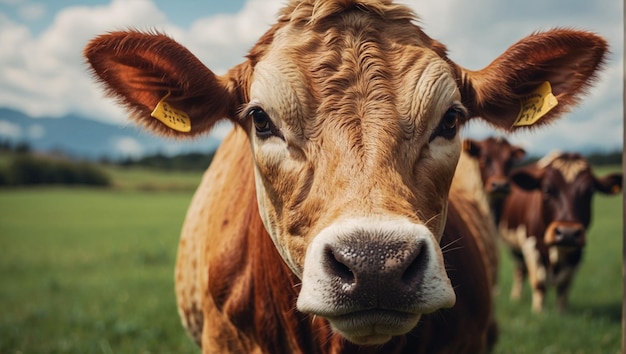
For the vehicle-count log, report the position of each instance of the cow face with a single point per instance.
(567, 185)
(496, 157)
(353, 116)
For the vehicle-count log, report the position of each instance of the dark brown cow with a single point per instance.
(545, 219)
(492, 160)
(496, 158)
(324, 224)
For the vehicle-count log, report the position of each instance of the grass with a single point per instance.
(146, 179)
(593, 322)
(91, 271)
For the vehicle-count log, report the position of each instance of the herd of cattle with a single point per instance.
(542, 212)
(343, 214)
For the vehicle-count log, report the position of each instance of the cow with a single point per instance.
(324, 223)
(485, 165)
(496, 158)
(545, 220)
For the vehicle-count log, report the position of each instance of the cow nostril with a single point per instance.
(338, 268)
(499, 186)
(415, 271)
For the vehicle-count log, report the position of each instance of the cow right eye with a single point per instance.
(263, 124)
(261, 121)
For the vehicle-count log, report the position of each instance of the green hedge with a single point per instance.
(26, 169)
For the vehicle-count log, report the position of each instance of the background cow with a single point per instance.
(485, 166)
(544, 221)
(496, 158)
(325, 215)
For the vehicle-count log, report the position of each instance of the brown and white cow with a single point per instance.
(324, 223)
(545, 220)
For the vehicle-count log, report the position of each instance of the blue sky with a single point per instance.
(42, 72)
(38, 15)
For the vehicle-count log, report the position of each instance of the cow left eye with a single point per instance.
(448, 126)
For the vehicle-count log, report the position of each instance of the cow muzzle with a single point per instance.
(497, 187)
(373, 280)
(565, 234)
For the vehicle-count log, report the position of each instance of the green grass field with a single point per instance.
(91, 271)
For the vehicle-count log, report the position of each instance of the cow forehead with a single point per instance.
(572, 167)
(308, 79)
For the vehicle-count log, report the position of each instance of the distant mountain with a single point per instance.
(85, 138)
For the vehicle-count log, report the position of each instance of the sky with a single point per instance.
(42, 72)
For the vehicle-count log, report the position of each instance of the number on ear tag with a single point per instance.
(171, 117)
(536, 105)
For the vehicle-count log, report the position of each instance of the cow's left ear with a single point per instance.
(509, 91)
(611, 184)
(527, 178)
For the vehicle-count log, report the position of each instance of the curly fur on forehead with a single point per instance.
(314, 11)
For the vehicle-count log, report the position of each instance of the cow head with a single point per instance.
(567, 185)
(353, 114)
(496, 157)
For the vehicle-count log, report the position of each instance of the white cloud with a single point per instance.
(222, 129)
(127, 146)
(10, 130)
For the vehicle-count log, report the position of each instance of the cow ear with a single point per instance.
(565, 59)
(472, 147)
(527, 178)
(611, 184)
(164, 87)
(518, 153)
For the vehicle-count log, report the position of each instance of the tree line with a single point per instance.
(19, 166)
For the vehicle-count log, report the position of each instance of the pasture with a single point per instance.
(91, 271)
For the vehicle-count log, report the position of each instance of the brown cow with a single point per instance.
(324, 224)
(545, 218)
(496, 158)
(485, 165)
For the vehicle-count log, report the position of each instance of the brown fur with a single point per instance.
(363, 110)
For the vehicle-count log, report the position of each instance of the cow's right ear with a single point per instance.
(164, 87)
(472, 147)
(527, 178)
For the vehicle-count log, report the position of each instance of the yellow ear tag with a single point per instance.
(535, 105)
(171, 117)
(616, 189)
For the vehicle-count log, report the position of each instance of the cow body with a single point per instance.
(545, 219)
(326, 222)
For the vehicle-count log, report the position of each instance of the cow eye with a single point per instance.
(550, 191)
(262, 123)
(449, 124)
